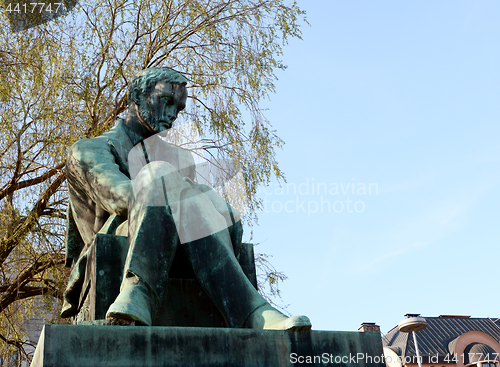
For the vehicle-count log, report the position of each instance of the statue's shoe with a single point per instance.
(119, 322)
(294, 323)
(268, 318)
(133, 303)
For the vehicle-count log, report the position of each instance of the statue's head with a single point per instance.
(160, 94)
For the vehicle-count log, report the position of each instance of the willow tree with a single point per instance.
(67, 79)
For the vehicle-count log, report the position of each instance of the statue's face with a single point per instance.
(159, 109)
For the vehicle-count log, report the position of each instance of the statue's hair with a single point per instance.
(146, 80)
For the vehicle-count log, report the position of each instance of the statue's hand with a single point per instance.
(189, 181)
(236, 233)
(230, 214)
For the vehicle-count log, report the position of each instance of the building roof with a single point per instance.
(440, 332)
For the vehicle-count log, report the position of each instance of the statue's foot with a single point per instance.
(111, 320)
(134, 303)
(267, 317)
(294, 323)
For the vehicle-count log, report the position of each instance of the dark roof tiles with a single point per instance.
(440, 331)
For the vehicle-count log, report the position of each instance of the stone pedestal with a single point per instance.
(140, 346)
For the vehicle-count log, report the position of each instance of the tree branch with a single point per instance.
(34, 181)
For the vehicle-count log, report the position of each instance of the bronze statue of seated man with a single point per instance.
(160, 208)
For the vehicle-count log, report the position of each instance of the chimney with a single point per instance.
(369, 327)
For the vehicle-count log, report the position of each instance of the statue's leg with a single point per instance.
(231, 215)
(218, 271)
(153, 241)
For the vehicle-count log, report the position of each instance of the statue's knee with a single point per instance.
(153, 171)
(227, 211)
(149, 184)
(194, 201)
(198, 211)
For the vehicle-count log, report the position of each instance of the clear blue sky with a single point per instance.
(405, 96)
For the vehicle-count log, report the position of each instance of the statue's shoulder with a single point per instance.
(87, 147)
(92, 146)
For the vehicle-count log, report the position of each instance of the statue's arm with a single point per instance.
(92, 170)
